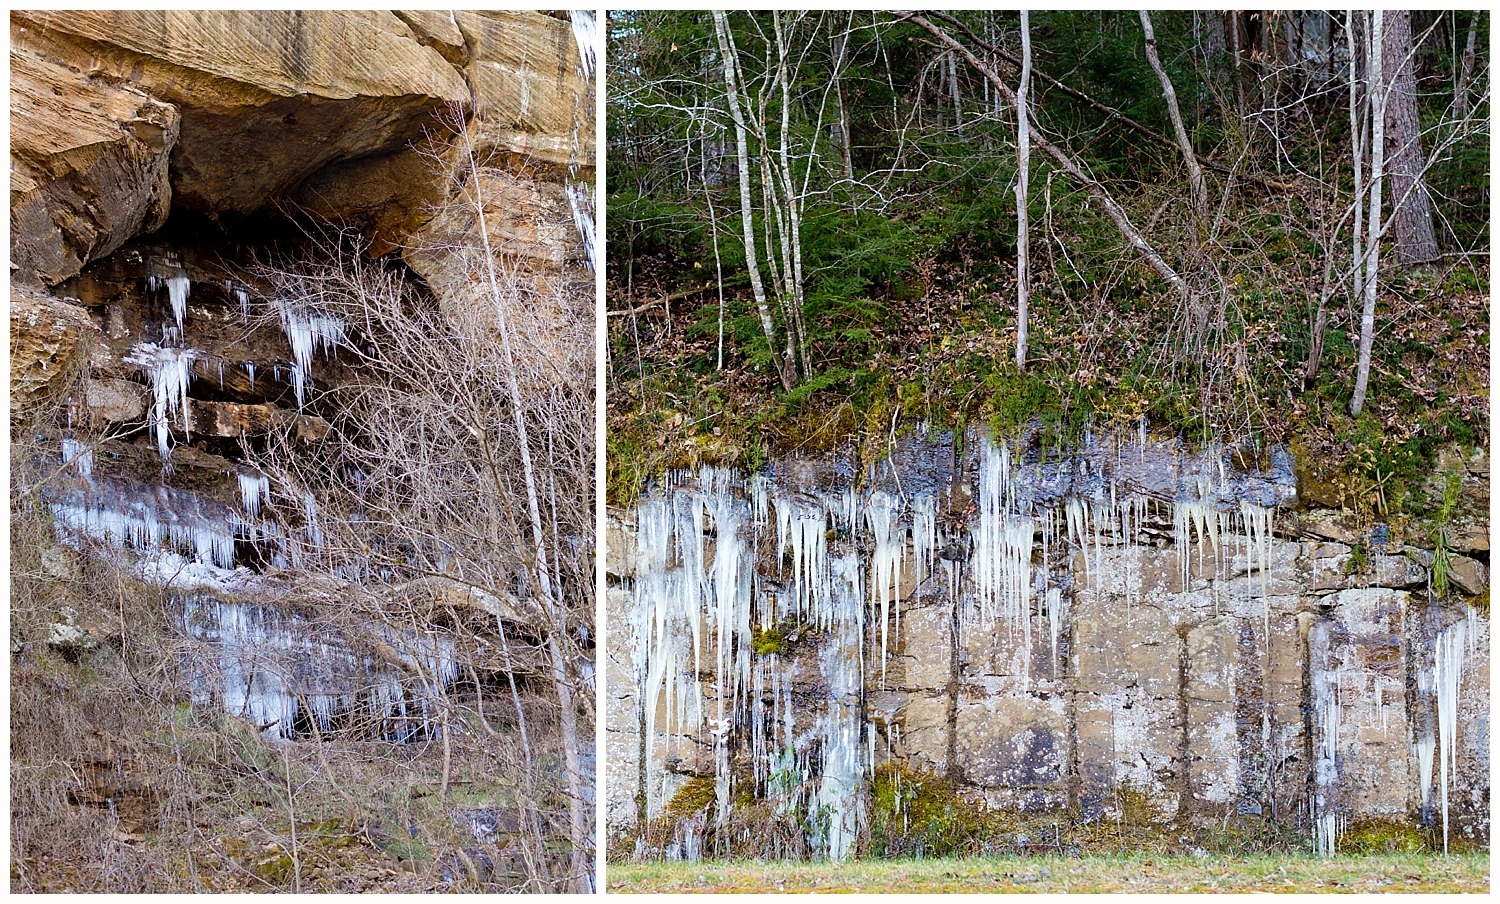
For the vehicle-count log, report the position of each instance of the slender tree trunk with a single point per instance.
(1357, 126)
(1466, 69)
(747, 217)
(840, 53)
(1023, 178)
(1411, 218)
(562, 684)
(955, 94)
(1372, 246)
(796, 335)
(1189, 157)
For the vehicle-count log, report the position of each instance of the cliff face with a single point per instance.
(121, 116)
(1126, 631)
(122, 120)
(157, 158)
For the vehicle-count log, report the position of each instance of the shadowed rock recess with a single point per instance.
(157, 158)
(1130, 633)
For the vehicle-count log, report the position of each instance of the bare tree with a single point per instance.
(1372, 244)
(460, 460)
(1189, 157)
(730, 57)
(1023, 177)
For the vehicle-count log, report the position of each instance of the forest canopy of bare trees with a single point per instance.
(1245, 227)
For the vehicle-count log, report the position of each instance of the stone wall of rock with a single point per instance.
(124, 120)
(1192, 635)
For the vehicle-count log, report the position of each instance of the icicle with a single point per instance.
(924, 535)
(175, 280)
(586, 33)
(885, 568)
(250, 371)
(254, 489)
(581, 202)
(1448, 665)
(307, 331)
(241, 293)
(1328, 707)
(1424, 747)
(1002, 550)
(79, 454)
(169, 370)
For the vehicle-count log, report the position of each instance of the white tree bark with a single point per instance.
(1357, 125)
(747, 217)
(1023, 178)
(1372, 245)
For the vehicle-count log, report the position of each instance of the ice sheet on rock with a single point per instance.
(149, 520)
(581, 202)
(586, 34)
(79, 455)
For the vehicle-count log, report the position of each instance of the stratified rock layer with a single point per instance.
(1148, 625)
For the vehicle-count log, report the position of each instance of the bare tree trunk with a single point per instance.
(1411, 219)
(955, 94)
(1357, 126)
(1023, 177)
(1372, 246)
(1189, 157)
(562, 683)
(752, 261)
(1232, 20)
(1466, 70)
(840, 53)
(792, 260)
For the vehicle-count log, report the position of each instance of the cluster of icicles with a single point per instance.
(580, 193)
(168, 366)
(292, 680)
(700, 603)
(1338, 685)
(286, 676)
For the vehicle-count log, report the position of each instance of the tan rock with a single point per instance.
(267, 97)
(1468, 575)
(117, 401)
(49, 340)
(1013, 739)
(88, 167)
(528, 111)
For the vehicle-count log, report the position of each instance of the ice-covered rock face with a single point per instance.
(294, 680)
(1048, 630)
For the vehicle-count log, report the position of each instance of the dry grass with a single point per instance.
(1468, 873)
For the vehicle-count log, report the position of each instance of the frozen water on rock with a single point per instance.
(168, 275)
(169, 371)
(254, 490)
(307, 331)
(586, 33)
(1448, 662)
(734, 575)
(149, 520)
(581, 202)
(294, 679)
(79, 454)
